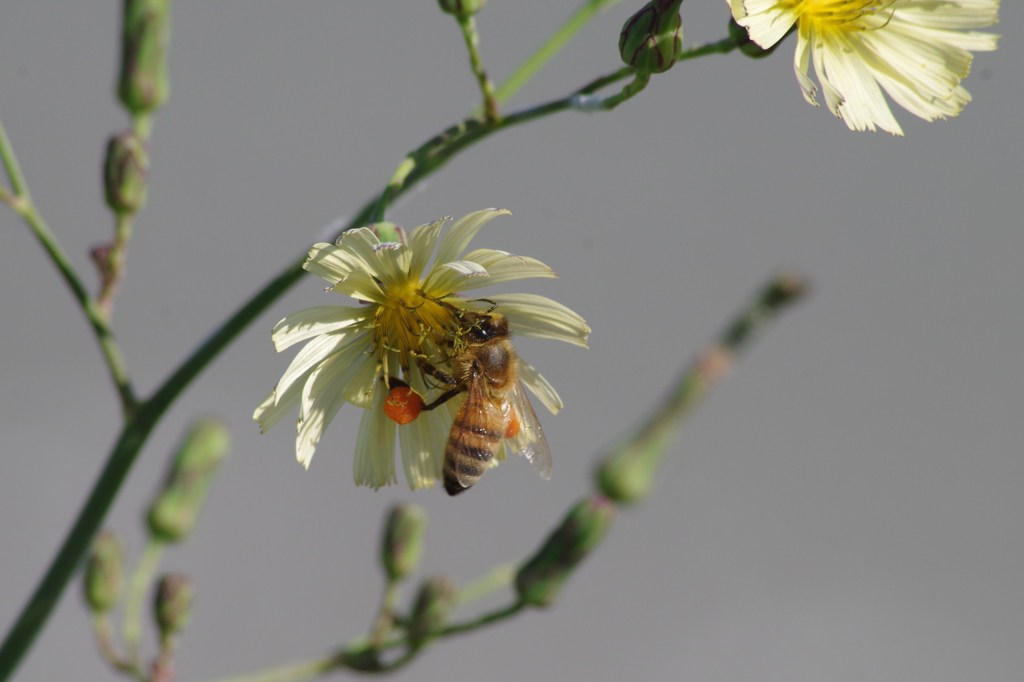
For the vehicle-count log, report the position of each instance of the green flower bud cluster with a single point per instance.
(540, 579)
(174, 511)
(124, 173)
(402, 544)
(104, 573)
(652, 39)
(434, 603)
(143, 85)
(172, 604)
(461, 8)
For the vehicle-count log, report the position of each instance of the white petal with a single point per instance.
(359, 383)
(322, 397)
(362, 286)
(465, 268)
(392, 263)
(313, 353)
(863, 107)
(502, 266)
(330, 262)
(801, 63)
(361, 245)
(540, 387)
(311, 322)
(764, 21)
(459, 236)
(275, 406)
(374, 463)
(285, 396)
(421, 243)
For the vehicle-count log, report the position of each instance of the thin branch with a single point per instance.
(22, 204)
(427, 159)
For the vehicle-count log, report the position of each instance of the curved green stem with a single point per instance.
(495, 616)
(142, 578)
(21, 202)
(467, 24)
(500, 576)
(427, 159)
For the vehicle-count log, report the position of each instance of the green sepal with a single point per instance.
(175, 509)
(402, 544)
(124, 173)
(144, 85)
(104, 573)
(435, 601)
(541, 578)
(172, 603)
(652, 39)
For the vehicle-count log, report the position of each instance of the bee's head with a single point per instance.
(489, 326)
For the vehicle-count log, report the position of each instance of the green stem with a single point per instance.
(723, 46)
(22, 204)
(112, 269)
(307, 670)
(467, 24)
(499, 577)
(552, 46)
(385, 614)
(627, 473)
(629, 90)
(108, 650)
(427, 159)
(141, 581)
(142, 125)
(488, 618)
(11, 166)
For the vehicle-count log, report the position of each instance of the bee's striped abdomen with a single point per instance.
(472, 442)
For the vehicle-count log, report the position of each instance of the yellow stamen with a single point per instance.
(408, 320)
(826, 16)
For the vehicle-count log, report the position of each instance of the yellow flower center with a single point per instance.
(411, 322)
(831, 16)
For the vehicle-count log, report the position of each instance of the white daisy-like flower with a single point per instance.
(406, 312)
(917, 51)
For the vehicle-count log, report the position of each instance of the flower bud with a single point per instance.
(174, 511)
(540, 579)
(461, 8)
(172, 605)
(389, 232)
(402, 544)
(434, 603)
(104, 573)
(652, 39)
(626, 475)
(143, 84)
(124, 173)
(741, 37)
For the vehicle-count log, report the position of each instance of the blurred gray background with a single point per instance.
(847, 506)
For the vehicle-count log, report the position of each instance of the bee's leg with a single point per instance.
(443, 398)
(438, 374)
(486, 300)
(392, 382)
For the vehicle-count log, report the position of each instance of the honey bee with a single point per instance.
(496, 410)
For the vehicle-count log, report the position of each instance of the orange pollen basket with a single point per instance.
(403, 404)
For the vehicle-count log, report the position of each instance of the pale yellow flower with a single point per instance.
(406, 310)
(916, 51)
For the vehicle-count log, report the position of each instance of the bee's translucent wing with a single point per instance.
(528, 440)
